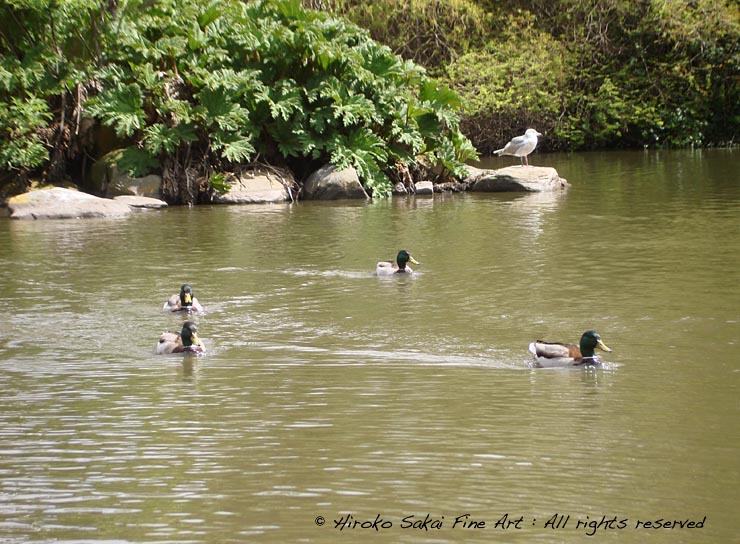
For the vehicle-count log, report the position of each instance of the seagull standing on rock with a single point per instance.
(521, 146)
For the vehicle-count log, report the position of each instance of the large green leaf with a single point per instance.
(212, 12)
(120, 108)
(234, 147)
(160, 138)
(222, 109)
(439, 95)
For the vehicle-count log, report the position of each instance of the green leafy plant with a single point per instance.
(22, 147)
(121, 108)
(203, 86)
(269, 79)
(136, 162)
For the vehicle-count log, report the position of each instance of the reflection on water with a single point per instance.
(327, 391)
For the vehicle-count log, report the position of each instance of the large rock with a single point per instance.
(515, 178)
(60, 203)
(122, 185)
(424, 188)
(399, 189)
(141, 202)
(328, 183)
(258, 187)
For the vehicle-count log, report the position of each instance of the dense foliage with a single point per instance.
(192, 88)
(587, 73)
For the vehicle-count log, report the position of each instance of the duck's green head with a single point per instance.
(186, 296)
(189, 334)
(590, 341)
(403, 258)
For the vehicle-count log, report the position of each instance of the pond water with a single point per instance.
(328, 393)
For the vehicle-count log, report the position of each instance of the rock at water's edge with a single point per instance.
(257, 188)
(515, 178)
(107, 180)
(61, 203)
(328, 183)
(424, 188)
(141, 202)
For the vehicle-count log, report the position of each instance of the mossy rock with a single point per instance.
(107, 180)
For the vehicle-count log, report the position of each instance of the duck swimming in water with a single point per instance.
(186, 341)
(388, 268)
(184, 302)
(551, 354)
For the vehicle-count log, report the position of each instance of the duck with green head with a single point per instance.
(184, 302)
(389, 268)
(186, 341)
(550, 354)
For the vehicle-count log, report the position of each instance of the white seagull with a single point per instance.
(521, 146)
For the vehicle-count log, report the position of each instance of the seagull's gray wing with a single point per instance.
(515, 145)
(518, 141)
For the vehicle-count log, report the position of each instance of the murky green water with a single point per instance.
(329, 392)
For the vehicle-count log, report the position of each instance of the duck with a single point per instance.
(388, 268)
(186, 341)
(184, 302)
(551, 354)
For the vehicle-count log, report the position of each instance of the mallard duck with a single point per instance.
(521, 146)
(186, 341)
(388, 268)
(184, 302)
(548, 354)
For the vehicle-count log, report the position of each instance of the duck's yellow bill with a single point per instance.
(602, 346)
(412, 260)
(188, 298)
